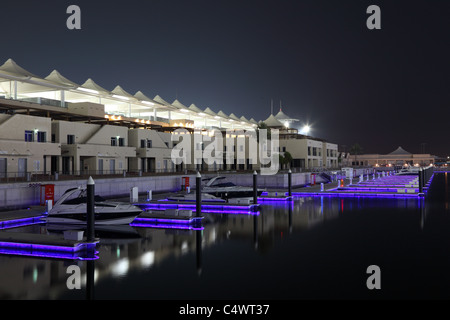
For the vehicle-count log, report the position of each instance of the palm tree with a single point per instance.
(262, 125)
(355, 150)
(287, 158)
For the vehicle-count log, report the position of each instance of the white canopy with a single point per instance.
(177, 104)
(210, 112)
(142, 97)
(233, 116)
(222, 114)
(194, 108)
(11, 70)
(91, 85)
(118, 90)
(58, 78)
(284, 117)
(271, 121)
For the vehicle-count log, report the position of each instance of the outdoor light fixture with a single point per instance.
(88, 90)
(306, 129)
(120, 97)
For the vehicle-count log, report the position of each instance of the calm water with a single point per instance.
(312, 249)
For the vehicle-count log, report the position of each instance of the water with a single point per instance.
(313, 248)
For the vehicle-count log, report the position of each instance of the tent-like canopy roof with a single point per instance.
(163, 102)
(210, 112)
(284, 117)
(400, 151)
(271, 121)
(58, 78)
(177, 104)
(142, 97)
(233, 116)
(194, 108)
(253, 121)
(222, 114)
(118, 90)
(244, 119)
(11, 70)
(91, 85)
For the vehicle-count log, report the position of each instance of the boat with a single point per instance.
(408, 171)
(192, 197)
(217, 187)
(71, 208)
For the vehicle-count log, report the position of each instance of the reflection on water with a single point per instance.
(294, 242)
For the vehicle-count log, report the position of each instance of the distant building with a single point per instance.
(398, 157)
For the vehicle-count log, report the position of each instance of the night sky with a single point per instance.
(378, 88)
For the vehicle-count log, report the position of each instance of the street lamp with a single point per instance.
(306, 129)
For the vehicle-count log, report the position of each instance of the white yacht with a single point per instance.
(217, 187)
(408, 171)
(71, 208)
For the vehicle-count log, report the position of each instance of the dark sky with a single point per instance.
(379, 88)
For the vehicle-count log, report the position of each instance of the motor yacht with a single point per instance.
(71, 208)
(219, 187)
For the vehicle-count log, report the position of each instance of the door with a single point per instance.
(2, 167)
(22, 167)
(112, 166)
(100, 166)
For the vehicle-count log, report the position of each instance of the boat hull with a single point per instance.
(112, 218)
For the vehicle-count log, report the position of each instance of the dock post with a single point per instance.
(290, 183)
(420, 180)
(255, 188)
(198, 194)
(90, 214)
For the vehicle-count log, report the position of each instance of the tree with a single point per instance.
(287, 158)
(262, 125)
(355, 150)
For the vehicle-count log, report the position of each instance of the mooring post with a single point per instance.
(290, 183)
(90, 215)
(420, 180)
(198, 194)
(255, 188)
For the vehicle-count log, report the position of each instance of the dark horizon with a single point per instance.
(378, 88)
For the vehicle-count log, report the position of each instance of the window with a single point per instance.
(70, 139)
(29, 136)
(121, 142)
(309, 151)
(284, 149)
(149, 143)
(314, 151)
(42, 136)
(142, 143)
(113, 141)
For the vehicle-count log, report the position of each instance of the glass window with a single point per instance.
(70, 139)
(29, 136)
(42, 136)
(113, 141)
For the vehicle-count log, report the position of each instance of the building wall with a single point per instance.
(16, 154)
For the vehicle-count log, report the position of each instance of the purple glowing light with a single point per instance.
(145, 224)
(20, 222)
(209, 208)
(193, 220)
(82, 251)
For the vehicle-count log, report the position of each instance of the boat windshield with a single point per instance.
(81, 197)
